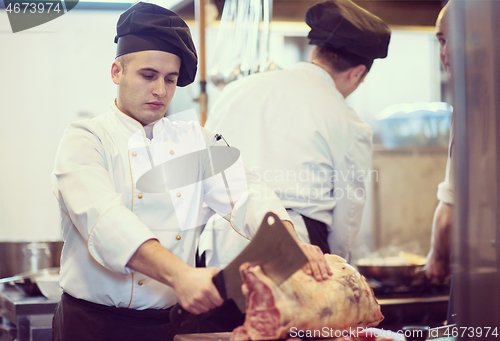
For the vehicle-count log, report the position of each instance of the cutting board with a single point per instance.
(211, 337)
(203, 336)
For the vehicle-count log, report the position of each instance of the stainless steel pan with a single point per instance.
(26, 282)
(402, 270)
(393, 276)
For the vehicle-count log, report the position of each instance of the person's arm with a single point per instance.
(438, 259)
(85, 191)
(193, 287)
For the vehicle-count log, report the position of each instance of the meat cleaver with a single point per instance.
(272, 247)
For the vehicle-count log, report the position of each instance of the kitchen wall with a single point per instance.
(50, 76)
(59, 72)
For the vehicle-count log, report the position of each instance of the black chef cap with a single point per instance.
(146, 26)
(349, 29)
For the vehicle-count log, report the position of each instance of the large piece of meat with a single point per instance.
(343, 302)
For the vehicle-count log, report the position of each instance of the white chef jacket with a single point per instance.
(295, 130)
(446, 189)
(105, 217)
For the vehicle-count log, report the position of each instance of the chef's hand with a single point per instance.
(318, 266)
(437, 266)
(195, 290)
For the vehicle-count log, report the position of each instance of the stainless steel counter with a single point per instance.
(32, 316)
(404, 311)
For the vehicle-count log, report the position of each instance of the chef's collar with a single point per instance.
(323, 75)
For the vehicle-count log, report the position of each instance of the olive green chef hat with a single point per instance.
(146, 26)
(349, 29)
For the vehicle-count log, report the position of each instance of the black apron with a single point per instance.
(80, 320)
(318, 233)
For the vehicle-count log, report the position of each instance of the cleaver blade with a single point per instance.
(273, 248)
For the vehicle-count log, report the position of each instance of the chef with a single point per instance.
(294, 128)
(129, 249)
(438, 264)
(438, 259)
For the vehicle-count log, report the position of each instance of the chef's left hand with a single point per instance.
(318, 266)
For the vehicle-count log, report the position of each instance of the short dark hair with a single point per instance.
(123, 60)
(338, 60)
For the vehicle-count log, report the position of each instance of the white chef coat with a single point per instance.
(105, 217)
(446, 189)
(295, 130)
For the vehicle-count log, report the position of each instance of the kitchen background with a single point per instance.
(59, 72)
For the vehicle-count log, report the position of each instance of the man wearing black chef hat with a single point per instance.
(129, 254)
(356, 35)
(146, 27)
(295, 130)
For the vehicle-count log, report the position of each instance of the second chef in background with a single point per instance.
(295, 130)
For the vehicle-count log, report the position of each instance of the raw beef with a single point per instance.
(344, 302)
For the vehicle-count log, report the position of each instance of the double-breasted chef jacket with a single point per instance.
(105, 217)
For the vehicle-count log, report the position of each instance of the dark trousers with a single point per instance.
(80, 320)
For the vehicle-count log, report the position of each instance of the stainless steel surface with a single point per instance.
(412, 300)
(405, 311)
(32, 316)
(11, 279)
(26, 281)
(7, 332)
(476, 82)
(18, 257)
(438, 332)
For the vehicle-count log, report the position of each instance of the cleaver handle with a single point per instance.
(178, 314)
(220, 284)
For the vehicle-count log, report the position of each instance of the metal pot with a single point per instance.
(19, 257)
(393, 276)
